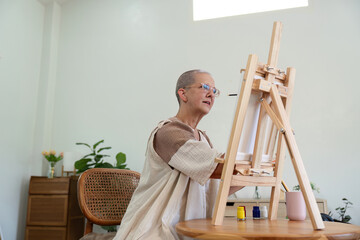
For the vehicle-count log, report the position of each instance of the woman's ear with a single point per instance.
(182, 96)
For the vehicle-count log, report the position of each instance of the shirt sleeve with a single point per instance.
(175, 143)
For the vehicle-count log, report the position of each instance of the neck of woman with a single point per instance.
(190, 119)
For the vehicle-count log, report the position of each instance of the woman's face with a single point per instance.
(199, 99)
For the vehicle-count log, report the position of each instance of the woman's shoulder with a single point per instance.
(175, 128)
(170, 137)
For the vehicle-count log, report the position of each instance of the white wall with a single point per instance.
(21, 27)
(117, 64)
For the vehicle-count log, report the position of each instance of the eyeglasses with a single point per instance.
(207, 88)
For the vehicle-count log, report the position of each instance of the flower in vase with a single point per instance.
(51, 156)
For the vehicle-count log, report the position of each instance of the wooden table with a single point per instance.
(265, 229)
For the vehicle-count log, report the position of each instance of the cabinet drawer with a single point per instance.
(45, 233)
(47, 210)
(44, 185)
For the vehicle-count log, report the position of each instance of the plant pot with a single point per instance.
(295, 206)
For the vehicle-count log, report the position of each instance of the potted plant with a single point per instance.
(95, 159)
(341, 211)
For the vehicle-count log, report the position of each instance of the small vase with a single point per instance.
(295, 206)
(51, 173)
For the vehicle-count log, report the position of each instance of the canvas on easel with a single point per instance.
(264, 105)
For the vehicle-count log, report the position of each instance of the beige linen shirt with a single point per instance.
(172, 188)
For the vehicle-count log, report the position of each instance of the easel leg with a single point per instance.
(226, 175)
(275, 191)
(297, 162)
(280, 158)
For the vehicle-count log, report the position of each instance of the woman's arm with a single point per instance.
(217, 175)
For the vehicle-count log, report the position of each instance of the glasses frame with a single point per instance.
(207, 88)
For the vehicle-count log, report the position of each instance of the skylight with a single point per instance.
(209, 9)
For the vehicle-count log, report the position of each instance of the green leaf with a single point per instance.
(84, 144)
(91, 154)
(346, 219)
(82, 163)
(104, 148)
(103, 165)
(122, 166)
(314, 188)
(110, 228)
(83, 169)
(120, 158)
(96, 144)
(98, 157)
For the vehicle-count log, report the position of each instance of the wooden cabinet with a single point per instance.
(53, 209)
(232, 204)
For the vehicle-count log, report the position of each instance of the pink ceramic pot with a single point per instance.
(295, 206)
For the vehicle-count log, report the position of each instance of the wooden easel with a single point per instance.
(276, 88)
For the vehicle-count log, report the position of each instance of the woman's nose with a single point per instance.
(210, 93)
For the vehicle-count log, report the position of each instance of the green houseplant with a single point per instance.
(95, 159)
(341, 211)
(313, 187)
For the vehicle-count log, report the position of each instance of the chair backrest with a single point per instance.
(104, 195)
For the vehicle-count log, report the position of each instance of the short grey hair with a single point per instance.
(186, 79)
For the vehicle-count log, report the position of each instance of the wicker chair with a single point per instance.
(104, 195)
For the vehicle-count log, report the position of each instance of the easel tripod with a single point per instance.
(276, 89)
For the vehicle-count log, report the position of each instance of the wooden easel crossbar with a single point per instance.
(275, 88)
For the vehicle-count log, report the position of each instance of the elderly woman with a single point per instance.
(175, 185)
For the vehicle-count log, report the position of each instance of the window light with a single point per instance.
(209, 9)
